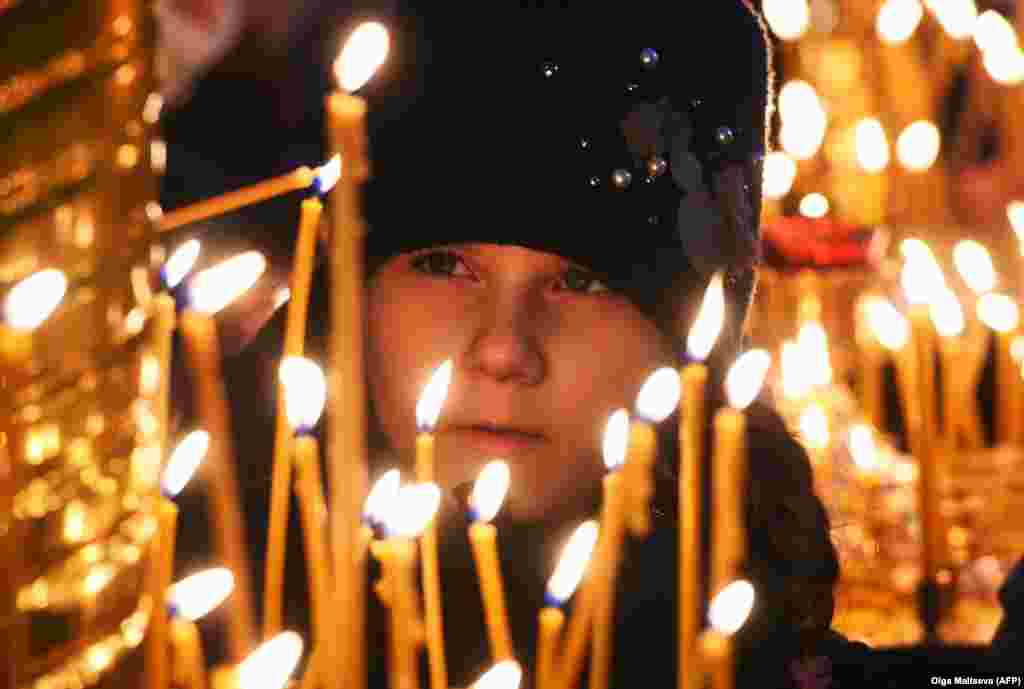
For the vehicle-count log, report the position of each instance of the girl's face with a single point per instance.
(543, 353)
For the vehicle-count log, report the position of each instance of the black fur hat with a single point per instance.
(628, 139)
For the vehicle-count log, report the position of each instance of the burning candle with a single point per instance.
(861, 442)
(484, 503)
(294, 339)
(189, 600)
(658, 396)
(27, 305)
(563, 582)
(210, 291)
(694, 378)
(948, 319)
(728, 612)
(413, 509)
(428, 409)
(592, 602)
(922, 282)
(999, 312)
(305, 391)
(180, 468)
(814, 432)
(504, 675)
(871, 369)
(270, 666)
(363, 52)
(742, 383)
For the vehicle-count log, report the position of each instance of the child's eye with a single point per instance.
(440, 263)
(579, 280)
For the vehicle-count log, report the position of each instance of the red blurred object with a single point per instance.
(797, 241)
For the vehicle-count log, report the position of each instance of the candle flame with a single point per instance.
(872, 146)
(184, 461)
(921, 278)
(974, 264)
(180, 262)
(1005, 67)
(796, 379)
(814, 206)
(214, 288)
(778, 175)
(305, 391)
(957, 17)
(616, 439)
(887, 323)
(898, 19)
(918, 145)
(730, 608)
(414, 506)
(196, 595)
(365, 50)
(912, 247)
(813, 344)
(328, 174)
(271, 665)
(709, 321)
(659, 395)
(814, 427)
(489, 490)
(31, 301)
(804, 120)
(1015, 214)
(998, 312)
(504, 675)
(992, 32)
(861, 440)
(788, 19)
(432, 399)
(946, 314)
(382, 497)
(573, 563)
(745, 377)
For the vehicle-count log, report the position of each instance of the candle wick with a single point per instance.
(551, 600)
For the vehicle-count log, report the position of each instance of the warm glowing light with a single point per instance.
(195, 596)
(872, 146)
(1015, 214)
(974, 264)
(382, 497)
(616, 439)
(328, 174)
(364, 51)
(993, 33)
(813, 344)
(305, 391)
(887, 323)
(921, 279)
(180, 263)
(730, 608)
(214, 288)
(432, 399)
(861, 441)
(912, 247)
(804, 120)
(957, 17)
(814, 427)
(659, 395)
(788, 19)
(708, 324)
(414, 506)
(1017, 348)
(998, 312)
(745, 377)
(814, 205)
(898, 19)
(505, 675)
(271, 665)
(31, 301)
(946, 313)
(1004, 66)
(184, 461)
(918, 145)
(489, 490)
(573, 563)
(778, 175)
(796, 381)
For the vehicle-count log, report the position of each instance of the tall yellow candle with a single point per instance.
(871, 367)
(485, 501)
(314, 516)
(27, 305)
(163, 333)
(727, 613)
(693, 383)
(658, 396)
(550, 621)
(427, 411)
(294, 337)
(162, 562)
(613, 516)
(1000, 313)
(190, 599)
(189, 663)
